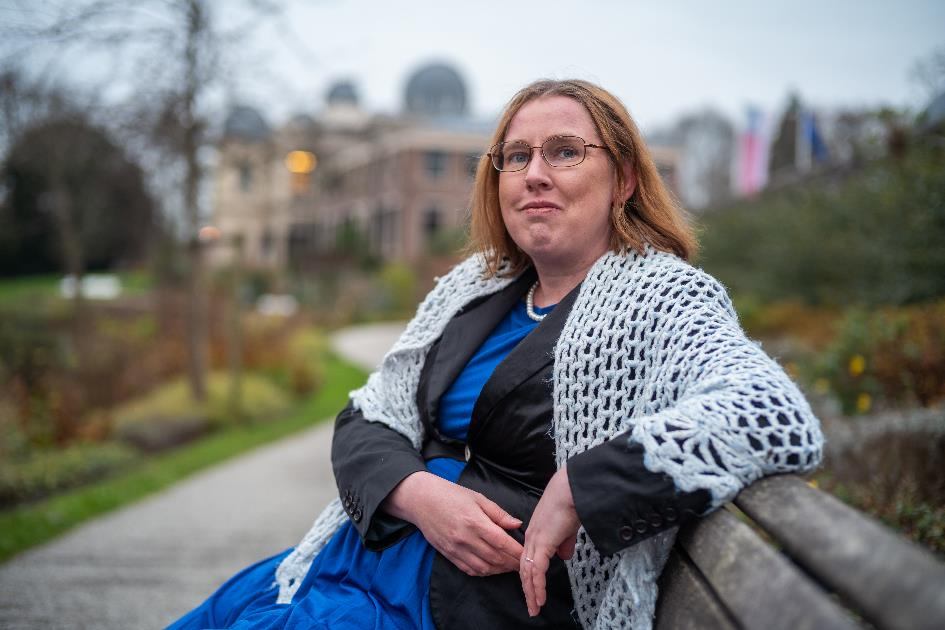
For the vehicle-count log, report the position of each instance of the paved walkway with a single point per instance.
(146, 564)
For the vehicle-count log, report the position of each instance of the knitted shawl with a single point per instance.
(653, 346)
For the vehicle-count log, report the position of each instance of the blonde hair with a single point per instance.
(651, 215)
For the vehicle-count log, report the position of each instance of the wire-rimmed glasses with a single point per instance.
(557, 151)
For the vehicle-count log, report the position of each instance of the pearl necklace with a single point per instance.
(530, 304)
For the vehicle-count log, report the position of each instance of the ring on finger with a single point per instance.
(527, 559)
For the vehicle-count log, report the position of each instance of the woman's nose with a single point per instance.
(537, 173)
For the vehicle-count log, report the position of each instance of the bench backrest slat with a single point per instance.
(759, 587)
(891, 582)
(686, 601)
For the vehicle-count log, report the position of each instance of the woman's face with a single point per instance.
(559, 216)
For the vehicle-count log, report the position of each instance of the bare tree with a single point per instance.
(929, 73)
(176, 51)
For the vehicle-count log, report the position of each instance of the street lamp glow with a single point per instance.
(209, 234)
(300, 162)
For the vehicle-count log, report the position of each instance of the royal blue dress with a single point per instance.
(348, 586)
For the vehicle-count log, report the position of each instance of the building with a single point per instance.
(393, 187)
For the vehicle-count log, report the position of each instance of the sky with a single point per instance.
(662, 59)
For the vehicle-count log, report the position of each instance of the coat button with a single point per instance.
(670, 514)
(640, 526)
(357, 515)
(625, 533)
(655, 521)
(468, 453)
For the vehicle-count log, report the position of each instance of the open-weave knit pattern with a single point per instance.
(651, 345)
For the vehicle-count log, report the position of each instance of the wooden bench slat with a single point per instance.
(760, 588)
(686, 602)
(894, 584)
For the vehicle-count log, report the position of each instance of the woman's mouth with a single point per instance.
(538, 208)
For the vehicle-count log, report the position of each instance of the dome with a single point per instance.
(302, 122)
(435, 90)
(342, 92)
(245, 123)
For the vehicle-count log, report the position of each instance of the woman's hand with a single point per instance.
(553, 529)
(463, 525)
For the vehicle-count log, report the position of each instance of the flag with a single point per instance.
(809, 149)
(752, 163)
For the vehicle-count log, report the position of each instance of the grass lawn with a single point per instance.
(16, 290)
(25, 290)
(29, 525)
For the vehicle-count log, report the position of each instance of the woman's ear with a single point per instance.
(629, 181)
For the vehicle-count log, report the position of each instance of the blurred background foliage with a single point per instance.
(850, 266)
(869, 235)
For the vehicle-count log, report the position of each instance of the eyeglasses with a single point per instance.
(557, 151)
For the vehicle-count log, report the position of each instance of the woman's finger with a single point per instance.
(539, 570)
(525, 572)
(553, 528)
(497, 515)
(499, 541)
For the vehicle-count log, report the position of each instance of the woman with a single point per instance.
(574, 390)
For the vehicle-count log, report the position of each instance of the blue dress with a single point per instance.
(348, 586)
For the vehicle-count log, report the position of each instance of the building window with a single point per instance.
(385, 231)
(333, 182)
(246, 176)
(435, 164)
(266, 244)
(431, 221)
(348, 236)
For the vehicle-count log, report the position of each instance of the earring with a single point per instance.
(628, 204)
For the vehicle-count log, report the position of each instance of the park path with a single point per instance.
(146, 564)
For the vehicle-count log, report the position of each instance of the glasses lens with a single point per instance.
(510, 156)
(563, 150)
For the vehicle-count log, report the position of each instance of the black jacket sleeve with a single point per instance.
(369, 460)
(620, 502)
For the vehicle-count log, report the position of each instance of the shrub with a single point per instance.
(891, 356)
(894, 473)
(168, 416)
(306, 362)
(812, 326)
(868, 236)
(399, 286)
(46, 471)
(293, 357)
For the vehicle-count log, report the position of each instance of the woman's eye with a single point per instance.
(516, 157)
(563, 151)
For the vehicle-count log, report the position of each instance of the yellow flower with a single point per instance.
(821, 386)
(857, 365)
(813, 483)
(863, 402)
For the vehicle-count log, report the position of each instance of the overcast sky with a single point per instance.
(661, 58)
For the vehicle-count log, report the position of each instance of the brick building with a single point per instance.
(395, 186)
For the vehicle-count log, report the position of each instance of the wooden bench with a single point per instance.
(787, 555)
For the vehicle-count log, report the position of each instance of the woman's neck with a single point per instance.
(555, 282)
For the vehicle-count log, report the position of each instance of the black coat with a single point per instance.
(510, 458)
